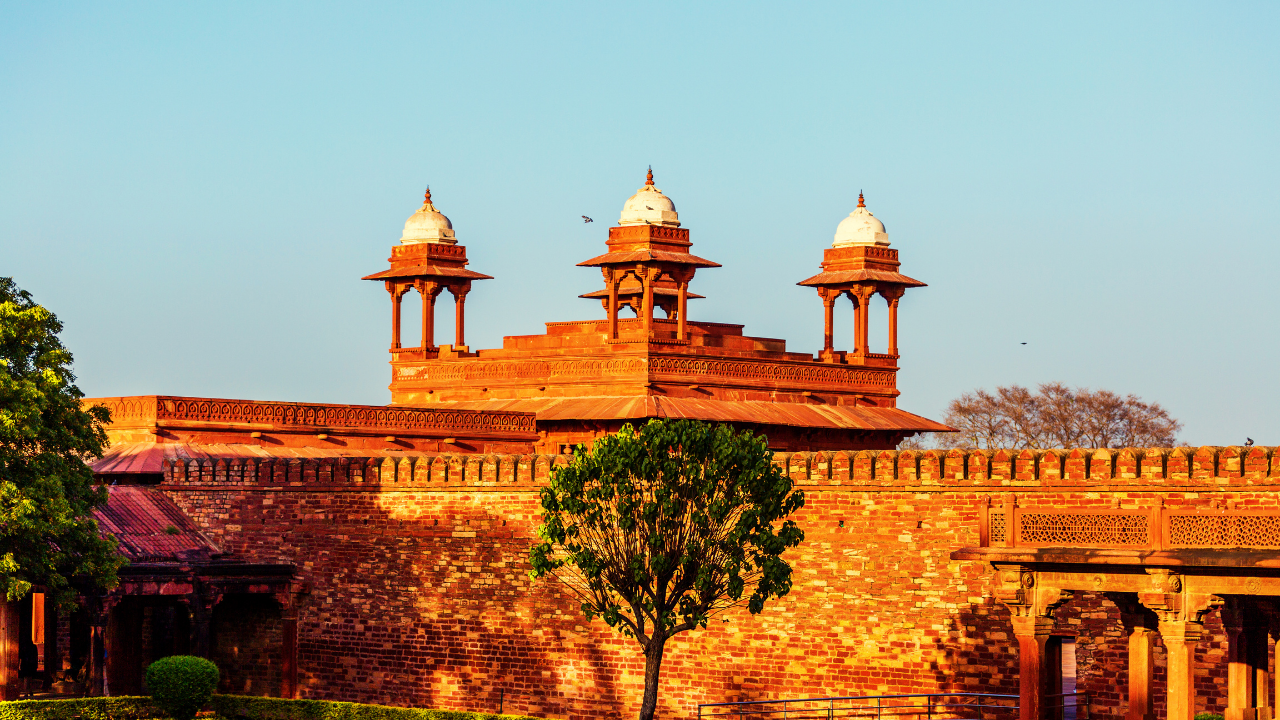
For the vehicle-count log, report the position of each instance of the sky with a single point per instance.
(195, 189)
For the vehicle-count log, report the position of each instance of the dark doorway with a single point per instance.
(140, 631)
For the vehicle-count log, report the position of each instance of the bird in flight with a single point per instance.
(586, 219)
(1024, 343)
(1248, 442)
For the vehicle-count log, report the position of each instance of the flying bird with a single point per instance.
(1248, 442)
(648, 208)
(1024, 343)
(586, 219)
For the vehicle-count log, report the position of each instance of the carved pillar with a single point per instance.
(459, 300)
(683, 305)
(612, 279)
(10, 686)
(1180, 639)
(1247, 661)
(1140, 626)
(1179, 612)
(648, 278)
(828, 309)
(1031, 606)
(397, 293)
(428, 290)
(861, 296)
(1033, 680)
(892, 295)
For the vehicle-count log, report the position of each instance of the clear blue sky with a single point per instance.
(196, 188)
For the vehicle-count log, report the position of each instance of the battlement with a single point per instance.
(1206, 467)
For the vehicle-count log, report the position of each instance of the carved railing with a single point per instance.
(1157, 528)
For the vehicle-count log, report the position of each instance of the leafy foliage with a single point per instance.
(97, 708)
(47, 492)
(658, 530)
(182, 684)
(1053, 416)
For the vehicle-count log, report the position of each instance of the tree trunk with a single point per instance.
(652, 664)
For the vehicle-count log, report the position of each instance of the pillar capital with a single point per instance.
(1019, 588)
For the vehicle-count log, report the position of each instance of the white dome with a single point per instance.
(428, 225)
(860, 228)
(649, 207)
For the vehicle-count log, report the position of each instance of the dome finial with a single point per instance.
(861, 202)
(427, 196)
(649, 178)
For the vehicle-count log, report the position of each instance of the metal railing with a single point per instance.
(942, 706)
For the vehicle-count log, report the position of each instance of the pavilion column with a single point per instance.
(892, 295)
(428, 291)
(1180, 638)
(861, 296)
(682, 307)
(648, 303)
(828, 329)
(397, 293)
(1033, 679)
(613, 280)
(459, 301)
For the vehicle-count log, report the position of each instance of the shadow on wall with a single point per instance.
(419, 597)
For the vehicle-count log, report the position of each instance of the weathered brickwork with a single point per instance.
(419, 593)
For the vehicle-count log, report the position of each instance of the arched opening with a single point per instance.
(411, 319)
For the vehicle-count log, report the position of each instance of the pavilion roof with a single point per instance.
(861, 275)
(414, 271)
(632, 256)
(841, 417)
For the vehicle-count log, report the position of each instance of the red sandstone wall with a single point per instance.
(420, 594)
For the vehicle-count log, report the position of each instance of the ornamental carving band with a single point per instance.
(336, 416)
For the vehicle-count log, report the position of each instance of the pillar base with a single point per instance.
(1257, 713)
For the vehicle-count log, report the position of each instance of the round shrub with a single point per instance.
(181, 684)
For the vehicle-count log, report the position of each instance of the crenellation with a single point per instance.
(885, 466)
(1001, 465)
(1229, 462)
(1102, 466)
(1204, 463)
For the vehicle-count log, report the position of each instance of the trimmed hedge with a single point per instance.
(95, 708)
(182, 684)
(231, 707)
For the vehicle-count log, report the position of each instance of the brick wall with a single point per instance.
(420, 594)
(247, 634)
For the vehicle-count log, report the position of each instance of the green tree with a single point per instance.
(47, 492)
(658, 530)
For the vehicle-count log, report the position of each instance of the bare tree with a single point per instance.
(1053, 416)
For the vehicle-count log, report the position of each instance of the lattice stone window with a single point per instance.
(1081, 530)
(995, 527)
(1224, 530)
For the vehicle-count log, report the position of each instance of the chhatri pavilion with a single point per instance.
(586, 378)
